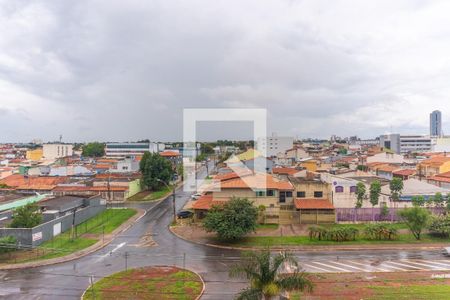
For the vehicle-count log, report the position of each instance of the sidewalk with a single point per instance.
(196, 234)
(97, 246)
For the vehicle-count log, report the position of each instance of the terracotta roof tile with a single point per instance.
(257, 181)
(404, 172)
(313, 204)
(284, 171)
(169, 153)
(16, 180)
(205, 202)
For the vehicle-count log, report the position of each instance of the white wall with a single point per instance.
(53, 151)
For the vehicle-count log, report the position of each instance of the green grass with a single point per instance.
(180, 285)
(151, 196)
(262, 241)
(110, 219)
(361, 226)
(431, 291)
(63, 244)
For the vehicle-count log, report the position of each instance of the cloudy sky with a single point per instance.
(124, 70)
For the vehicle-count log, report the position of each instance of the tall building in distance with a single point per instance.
(436, 123)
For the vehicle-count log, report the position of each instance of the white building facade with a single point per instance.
(273, 145)
(54, 151)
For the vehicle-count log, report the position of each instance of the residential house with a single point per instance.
(35, 154)
(433, 166)
(441, 180)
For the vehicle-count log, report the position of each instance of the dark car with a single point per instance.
(184, 214)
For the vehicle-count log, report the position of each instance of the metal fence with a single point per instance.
(373, 214)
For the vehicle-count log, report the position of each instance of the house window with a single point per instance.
(301, 194)
(270, 193)
(339, 189)
(353, 189)
(289, 194)
(318, 194)
(260, 194)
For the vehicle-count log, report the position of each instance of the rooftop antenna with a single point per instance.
(60, 138)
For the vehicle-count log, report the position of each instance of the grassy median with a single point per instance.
(147, 283)
(150, 195)
(85, 235)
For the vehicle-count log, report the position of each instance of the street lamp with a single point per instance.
(173, 199)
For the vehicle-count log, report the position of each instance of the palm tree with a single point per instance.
(266, 280)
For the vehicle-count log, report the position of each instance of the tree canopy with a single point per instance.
(416, 218)
(154, 169)
(360, 194)
(94, 149)
(374, 192)
(26, 216)
(232, 220)
(396, 187)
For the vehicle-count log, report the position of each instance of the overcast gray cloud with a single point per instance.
(110, 70)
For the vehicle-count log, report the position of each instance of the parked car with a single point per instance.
(196, 196)
(446, 251)
(184, 214)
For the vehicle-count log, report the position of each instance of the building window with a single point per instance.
(270, 193)
(260, 194)
(339, 189)
(289, 194)
(353, 189)
(301, 194)
(318, 194)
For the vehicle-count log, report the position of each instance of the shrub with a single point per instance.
(7, 244)
(336, 234)
(380, 232)
(440, 226)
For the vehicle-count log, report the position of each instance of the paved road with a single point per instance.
(149, 242)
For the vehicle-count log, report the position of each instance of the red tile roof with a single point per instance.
(404, 172)
(440, 179)
(169, 153)
(16, 180)
(205, 202)
(313, 204)
(257, 181)
(90, 188)
(284, 171)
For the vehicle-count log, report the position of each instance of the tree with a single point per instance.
(418, 201)
(26, 216)
(232, 220)
(360, 195)
(374, 195)
(396, 187)
(416, 218)
(438, 200)
(154, 169)
(94, 149)
(265, 276)
(7, 244)
(206, 148)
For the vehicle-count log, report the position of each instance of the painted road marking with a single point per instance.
(317, 268)
(369, 267)
(329, 266)
(426, 265)
(406, 265)
(386, 265)
(348, 266)
(112, 251)
(439, 263)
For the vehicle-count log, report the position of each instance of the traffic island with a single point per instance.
(160, 282)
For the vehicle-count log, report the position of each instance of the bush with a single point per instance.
(440, 226)
(380, 232)
(336, 234)
(7, 244)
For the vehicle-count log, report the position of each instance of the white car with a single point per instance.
(446, 251)
(196, 196)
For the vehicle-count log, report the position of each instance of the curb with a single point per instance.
(180, 184)
(324, 248)
(199, 276)
(97, 246)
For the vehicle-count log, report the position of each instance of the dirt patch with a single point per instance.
(353, 286)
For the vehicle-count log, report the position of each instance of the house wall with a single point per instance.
(53, 151)
(267, 201)
(310, 187)
(35, 155)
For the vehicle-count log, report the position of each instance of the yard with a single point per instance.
(150, 195)
(147, 283)
(377, 286)
(85, 235)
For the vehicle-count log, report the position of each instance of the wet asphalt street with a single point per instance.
(149, 242)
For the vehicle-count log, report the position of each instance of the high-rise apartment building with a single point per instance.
(436, 123)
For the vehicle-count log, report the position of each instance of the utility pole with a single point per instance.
(73, 223)
(126, 261)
